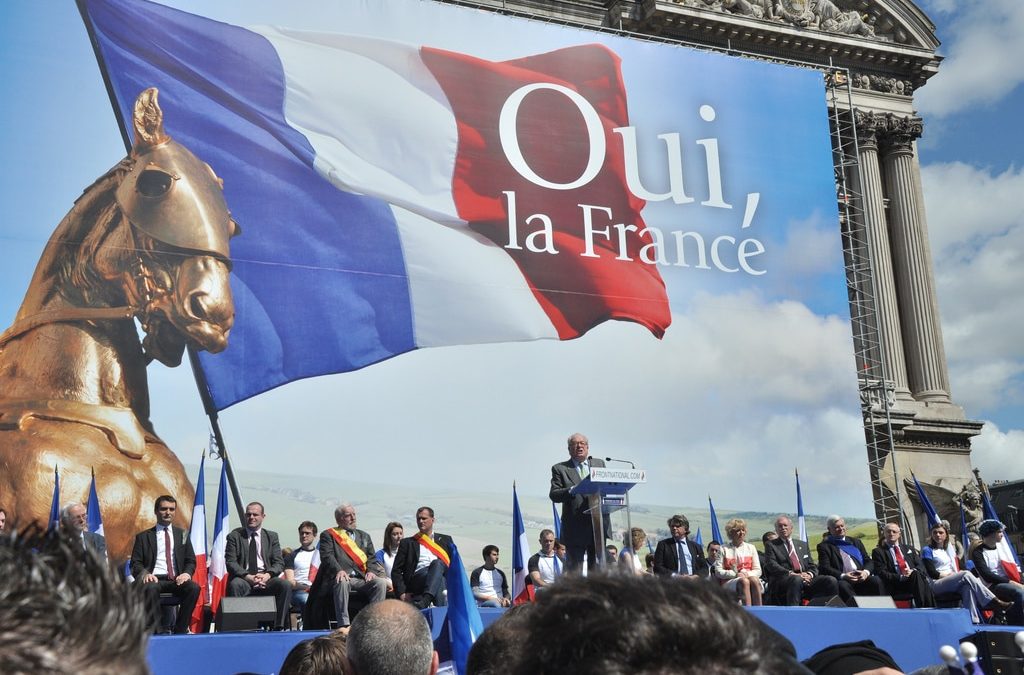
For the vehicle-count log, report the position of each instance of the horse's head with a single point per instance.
(180, 226)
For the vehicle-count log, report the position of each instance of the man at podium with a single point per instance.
(577, 525)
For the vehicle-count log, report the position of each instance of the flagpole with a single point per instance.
(211, 413)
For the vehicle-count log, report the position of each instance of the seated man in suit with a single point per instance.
(421, 563)
(254, 562)
(677, 555)
(900, 567)
(75, 523)
(845, 560)
(348, 564)
(163, 562)
(792, 575)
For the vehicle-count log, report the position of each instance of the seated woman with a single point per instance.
(629, 558)
(393, 534)
(989, 567)
(739, 567)
(943, 565)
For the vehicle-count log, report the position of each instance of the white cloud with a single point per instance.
(976, 222)
(999, 454)
(737, 394)
(980, 60)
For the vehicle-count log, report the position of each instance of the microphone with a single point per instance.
(624, 461)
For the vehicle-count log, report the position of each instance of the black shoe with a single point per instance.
(424, 601)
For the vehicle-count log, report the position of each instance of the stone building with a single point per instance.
(876, 54)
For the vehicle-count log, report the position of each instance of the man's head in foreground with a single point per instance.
(62, 610)
(391, 638)
(604, 624)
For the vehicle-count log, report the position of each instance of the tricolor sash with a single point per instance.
(432, 546)
(349, 546)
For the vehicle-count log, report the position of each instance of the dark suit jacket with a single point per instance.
(830, 562)
(887, 568)
(577, 526)
(333, 559)
(96, 542)
(776, 563)
(144, 553)
(237, 552)
(408, 555)
(666, 559)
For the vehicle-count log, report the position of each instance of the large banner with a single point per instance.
(411, 174)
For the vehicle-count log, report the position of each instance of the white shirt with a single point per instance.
(490, 583)
(300, 564)
(426, 557)
(160, 568)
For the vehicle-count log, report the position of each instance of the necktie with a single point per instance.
(584, 470)
(252, 554)
(683, 568)
(900, 560)
(793, 560)
(168, 559)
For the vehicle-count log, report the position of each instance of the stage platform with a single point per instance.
(913, 637)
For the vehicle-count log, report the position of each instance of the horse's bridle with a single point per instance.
(144, 288)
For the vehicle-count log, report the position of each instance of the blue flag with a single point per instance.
(716, 533)
(558, 521)
(464, 623)
(698, 539)
(926, 504)
(93, 514)
(965, 541)
(55, 503)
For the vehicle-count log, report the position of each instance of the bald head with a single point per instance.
(382, 625)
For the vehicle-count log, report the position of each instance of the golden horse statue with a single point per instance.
(147, 241)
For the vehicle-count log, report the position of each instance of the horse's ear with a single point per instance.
(148, 120)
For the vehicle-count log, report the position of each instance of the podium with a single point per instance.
(607, 491)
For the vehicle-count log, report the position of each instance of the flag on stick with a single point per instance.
(558, 521)
(197, 535)
(926, 504)
(521, 591)
(699, 540)
(965, 541)
(464, 623)
(218, 554)
(801, 522)
(716, 533)
(95, 519)
(55, 502)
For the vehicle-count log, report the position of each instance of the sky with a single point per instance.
(718, 411)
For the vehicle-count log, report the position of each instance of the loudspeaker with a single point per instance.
(256, 612)
(875, 601)
(997, 652)
(830, 601)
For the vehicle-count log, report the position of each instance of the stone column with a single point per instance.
(918, 306)
(873, 204)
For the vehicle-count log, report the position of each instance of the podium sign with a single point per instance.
(600, 474)
(607, 490)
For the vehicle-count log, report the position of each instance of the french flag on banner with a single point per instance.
(393, 196)
(218, 554)
(197, 535)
